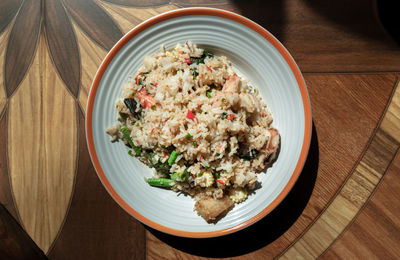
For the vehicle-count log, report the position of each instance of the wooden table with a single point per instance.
(345, 204)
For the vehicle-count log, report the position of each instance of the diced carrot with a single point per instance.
(230, 116)
(209, 69)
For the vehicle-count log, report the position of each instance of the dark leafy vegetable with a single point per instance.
(201, 59)
(131, 105)
(250, 155)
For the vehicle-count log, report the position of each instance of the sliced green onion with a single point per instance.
(188, 136)
(208, 93)
(153, 107)
(127, 134)
(172, 157)
(194, 143)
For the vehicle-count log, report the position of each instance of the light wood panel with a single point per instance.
(375, 233)
(91, 57)
(353, 195)
(42, 149)
(392, 117)
(129, 17)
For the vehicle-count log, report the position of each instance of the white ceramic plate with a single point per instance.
(255, 54)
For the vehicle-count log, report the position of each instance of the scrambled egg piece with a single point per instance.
(205, 180)
(238, 195)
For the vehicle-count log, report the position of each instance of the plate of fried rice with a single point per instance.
(198, 122)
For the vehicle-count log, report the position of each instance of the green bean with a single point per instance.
(160, 182)
(172, 157)
(127, 134)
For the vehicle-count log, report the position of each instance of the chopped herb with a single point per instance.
(206, 167)
(130, 153)
(223, 116)
(153, 107)
(224, 100)
(140, 82)
(233, 168)
(201, 111)
(188, 136)
(207, 54)
(216, 175)
(208, 93)
(133, 93)
(200, 174)
(194, 143)
(195, 73)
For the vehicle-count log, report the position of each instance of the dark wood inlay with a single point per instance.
(61, 41)
(6, 197)
(7, 11)
(14, 241)
(22, 44)
(95, 22)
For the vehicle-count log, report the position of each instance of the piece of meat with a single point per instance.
(213, 209)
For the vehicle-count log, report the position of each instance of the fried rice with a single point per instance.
(200, 126)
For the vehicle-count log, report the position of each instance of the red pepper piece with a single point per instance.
(190, 115)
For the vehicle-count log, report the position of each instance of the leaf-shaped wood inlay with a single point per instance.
(129, 17)
(62, 44)
(22, 44)
(7, 11)
(94, 219)
(95, 22)
(92, 55)
(139, 3)
(42, 149)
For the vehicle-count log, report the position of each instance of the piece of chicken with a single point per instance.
(213, 209)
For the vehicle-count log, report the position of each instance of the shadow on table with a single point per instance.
(264, 231)
(365, 18)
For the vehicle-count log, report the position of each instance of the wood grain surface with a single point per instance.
(344, 205)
